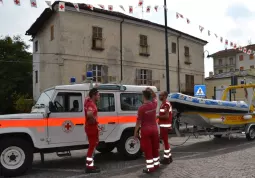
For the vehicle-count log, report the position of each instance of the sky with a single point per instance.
(231, 19)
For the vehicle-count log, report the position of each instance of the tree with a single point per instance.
(15, 72)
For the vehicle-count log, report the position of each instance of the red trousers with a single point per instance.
(164, 136)
(150, 146)
(92, 134)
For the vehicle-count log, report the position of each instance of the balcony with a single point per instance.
(144, 50)
(98, 44)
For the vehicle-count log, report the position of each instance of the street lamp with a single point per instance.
(208, 55)
(166, 46)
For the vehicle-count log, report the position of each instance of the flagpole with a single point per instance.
(166, 46)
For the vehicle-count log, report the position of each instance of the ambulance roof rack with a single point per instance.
(111, 87)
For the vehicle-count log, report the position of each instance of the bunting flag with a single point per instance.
(235, 46)
(17, 2)
(76, 6)
(131, 9)
(100, 5)
(249, 52)
(156, 8)
(221, 39)
(209, 33)
(201, 28)
(231, 44)
(122, 7)
(110, 7)
(140, 4)
(1, 2)
(240, 48)
(61, 6)
(216, 35)
(244, 50)
(33, 3)
(188, 21)
(148, 9)
(226, 42)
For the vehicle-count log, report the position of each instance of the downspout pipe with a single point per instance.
(178, 64)
(121, 56)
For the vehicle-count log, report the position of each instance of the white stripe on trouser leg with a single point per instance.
(165, 125)
(166, 156)
(167, 151)
(90, 165)
(161, 110)
(149, 161)
(89, 159)
(155, 159)
(150, 166)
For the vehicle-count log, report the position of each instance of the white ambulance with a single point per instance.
(56, 124)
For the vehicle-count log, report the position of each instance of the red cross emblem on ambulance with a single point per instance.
(68, 126)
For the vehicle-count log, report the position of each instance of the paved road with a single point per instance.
(198, 157)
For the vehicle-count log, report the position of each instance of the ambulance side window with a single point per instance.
(106, 102)
(130, 101)
(68, 102)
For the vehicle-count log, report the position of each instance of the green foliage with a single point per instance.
(23, 103)
(15, 72)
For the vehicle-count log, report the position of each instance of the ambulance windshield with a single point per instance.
(45, 98)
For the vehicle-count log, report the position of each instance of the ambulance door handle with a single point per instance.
(111, 122)
(81, 124)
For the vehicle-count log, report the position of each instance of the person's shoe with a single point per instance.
(148, 171)
(93, 169)
(165, 161)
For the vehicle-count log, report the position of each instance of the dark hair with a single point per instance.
(147, 94)
(165, 93)
(93, 92)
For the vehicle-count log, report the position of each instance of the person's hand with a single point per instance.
(136, 134)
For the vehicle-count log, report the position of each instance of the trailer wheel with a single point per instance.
(129, 147)
(16, 157)
(217, 136)
(251, 134)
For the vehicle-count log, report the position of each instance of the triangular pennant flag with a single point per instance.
(216, 35)
(209, 33)
(131, 9)
(76, 6)
(90, 6)
(17, 2)
(1, 2)
(231, 44)
(110, 7)
(244, 50)
(240, 48)
(140, 3)
(61, 7)
(33, 3)
(201, 28)
(249, 52)
(148, 9)
(188, 21)
(181, 16)
(226, 42)
(156, 8)
(49, 4)
(177, 15)
(221, 39)
(122, 7)
(235, 46)
(100, 5)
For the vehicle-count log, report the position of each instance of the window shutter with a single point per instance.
(104, 73)
(149, 79)
(138, 76)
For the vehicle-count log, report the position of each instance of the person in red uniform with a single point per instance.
(91, 128)
(149, 130)
(165, 124)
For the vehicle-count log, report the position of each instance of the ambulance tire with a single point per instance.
(107, 149)
(251, 134)
(19, 148)
(122, 148)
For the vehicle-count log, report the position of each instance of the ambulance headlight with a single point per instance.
(72, 80)
(89, 74)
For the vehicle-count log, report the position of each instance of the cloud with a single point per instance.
(239, 11)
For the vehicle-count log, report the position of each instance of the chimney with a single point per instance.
(210, 74)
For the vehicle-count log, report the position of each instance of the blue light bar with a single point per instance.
(72, 80)
(89, 74)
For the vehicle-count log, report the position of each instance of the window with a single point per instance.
(231, 61)
(186, 51)
(144, 47)
(36, 76)
(68, 102)
(143, 77)
(97, 73)
(220, 62)
(174, 48)
(189, 83)
(130, 101)
(232, 70)
(241, 68)
(52, 32)
(251, 56)
(240, 57)
(97, 38)
(106, 102)
(220, 71)
(36, 45)
(252, 67)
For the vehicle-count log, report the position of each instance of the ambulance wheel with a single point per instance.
(251, 134)
(16, 157)
(107, 149)
(129, 146)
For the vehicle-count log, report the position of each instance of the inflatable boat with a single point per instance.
(208, 113)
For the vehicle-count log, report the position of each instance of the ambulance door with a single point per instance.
(66, 122)
(107, 114)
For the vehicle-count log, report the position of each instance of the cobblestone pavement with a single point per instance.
(199, 157)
